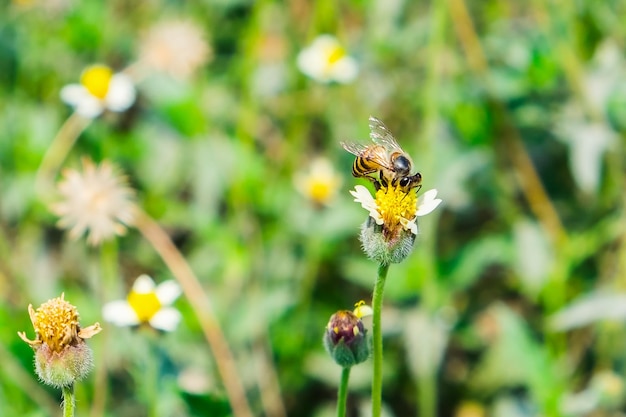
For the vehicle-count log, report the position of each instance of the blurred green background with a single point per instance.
(513, 302)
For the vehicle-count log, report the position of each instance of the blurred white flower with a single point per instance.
(325, 60)
(100, 89)
(146, 303)
(176, 47)
(97, 201)
(320, 183)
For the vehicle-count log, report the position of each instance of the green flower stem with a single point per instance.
(427, 394)
(68, 400)
(377, 340)
(342, 395)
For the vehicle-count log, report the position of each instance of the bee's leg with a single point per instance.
(376, 183)
(383, 181)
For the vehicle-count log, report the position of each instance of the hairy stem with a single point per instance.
(68, 400)
(342, 394)
(377, 340)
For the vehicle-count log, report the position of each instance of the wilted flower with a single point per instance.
(97, 201)
(388, 234)
(146, 303)
(61, 355)
(345, 339)
(320, 183)
(177, 48)
(99, 90)
(325, 60)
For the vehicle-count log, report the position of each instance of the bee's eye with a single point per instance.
(404, 182)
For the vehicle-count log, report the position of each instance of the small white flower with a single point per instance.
(99, 90)
(96, 201)
(177, 48)
(325, 60)
(320, 184)
(146, 303)
(362, 310)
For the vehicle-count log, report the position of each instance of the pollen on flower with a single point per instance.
(56, 325)
(146, 305)
(96, 79)
(335, 54)
(397, 208)
(56, 321)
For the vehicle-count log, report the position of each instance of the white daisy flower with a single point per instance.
(394, 207)
(96, 201)
(146, 303)
(99, 90)
(325, 60)
(320, 183)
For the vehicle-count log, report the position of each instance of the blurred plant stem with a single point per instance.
(342, 394)
(201, 306)
(427, 391)
(269, 386)
(57, 152)
(377, 340)
(108, 275)
(68, 400)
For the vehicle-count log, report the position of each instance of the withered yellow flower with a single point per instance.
(61, 354)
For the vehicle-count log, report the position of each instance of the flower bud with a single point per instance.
(61, 354)
(345, 339)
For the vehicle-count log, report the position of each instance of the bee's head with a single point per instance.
(410, 182)
(401, 164)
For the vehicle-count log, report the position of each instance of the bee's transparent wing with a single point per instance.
(382, 136)
(354, 148)
(376, 154)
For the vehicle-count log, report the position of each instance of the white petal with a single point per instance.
(428, 203)
(143, 284)
(83, 102)
(345, 70)
(73, 94)
(409, 225)
(312, 64)
(166, 319)
(167, 292)
(363, 196)
(120, 313)
(363, 310)
(121, 94)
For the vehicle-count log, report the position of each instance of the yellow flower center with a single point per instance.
(335, 54)
(395, 203)
(96, 80)
(320, 191)
(56, 322)
(146, 305)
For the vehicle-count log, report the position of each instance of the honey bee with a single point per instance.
(385, 158)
